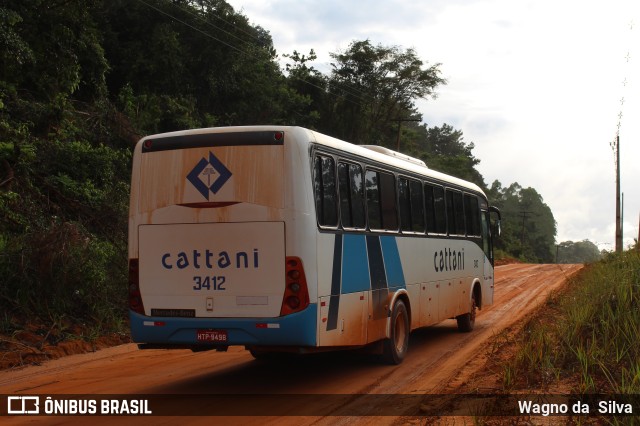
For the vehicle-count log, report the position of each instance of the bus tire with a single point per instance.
(396, 346)
(467, 321)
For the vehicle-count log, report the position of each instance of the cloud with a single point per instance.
(536, 85)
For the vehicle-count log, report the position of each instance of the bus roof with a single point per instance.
(400, 161)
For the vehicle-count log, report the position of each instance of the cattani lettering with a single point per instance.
(208, 259)
(448, 260)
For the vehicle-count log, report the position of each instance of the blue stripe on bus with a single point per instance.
(364, 263)
(297, 329)
(355, 266)
(392, 263)
(334, 301)
(376, 263)
(379, 288)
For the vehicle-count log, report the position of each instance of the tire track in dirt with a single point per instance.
(520, 289)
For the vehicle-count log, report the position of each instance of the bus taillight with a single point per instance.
(135, 298)
(296, 294)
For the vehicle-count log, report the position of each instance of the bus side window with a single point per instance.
(457, 201)
(381, 200)
(388, 201)
(429, 209)
(324, 182)
(351, 195)
(373, 200)
(455, 212)
(411, 206)
(417, 206)
(439, 210)
(435, 209)
(405, 204)
(472, 215)
(451, 214)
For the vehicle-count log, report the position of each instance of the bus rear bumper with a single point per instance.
(297, 329)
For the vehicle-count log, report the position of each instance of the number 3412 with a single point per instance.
(209, 283)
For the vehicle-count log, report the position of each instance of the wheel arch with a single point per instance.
(476, 292)
(395, 296)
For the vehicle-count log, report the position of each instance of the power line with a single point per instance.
(350, 92)
(223, 20)
(326, 89)
(192, 27)
(206, 22)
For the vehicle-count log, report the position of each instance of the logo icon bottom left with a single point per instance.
(23, 405)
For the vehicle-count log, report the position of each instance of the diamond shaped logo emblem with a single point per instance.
(209, 175)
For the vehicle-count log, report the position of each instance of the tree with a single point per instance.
(371, 86)
(528, 225)
(67, 61)
(308, 83)
(185, 64)
(443, 149)
(578, 252)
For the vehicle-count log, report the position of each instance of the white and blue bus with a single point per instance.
(284, 239)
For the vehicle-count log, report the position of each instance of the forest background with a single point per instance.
(82, 80)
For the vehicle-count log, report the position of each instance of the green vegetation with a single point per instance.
(587, 336)
(82, 80)
(579, 252)
(528, 226)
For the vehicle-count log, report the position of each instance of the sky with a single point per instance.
(540, 87)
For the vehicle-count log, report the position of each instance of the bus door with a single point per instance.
(487, 247)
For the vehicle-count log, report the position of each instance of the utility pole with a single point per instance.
(618, 201)
(524, 218)
(616, 152)
(400, 120)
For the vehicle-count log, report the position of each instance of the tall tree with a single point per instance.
(372, 86)
(308, 83)
(193, 64)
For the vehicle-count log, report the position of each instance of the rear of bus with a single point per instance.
(210, 261)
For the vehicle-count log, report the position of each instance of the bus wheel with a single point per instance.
(467, 321)
(396, 346)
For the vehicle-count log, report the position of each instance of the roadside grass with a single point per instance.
(588, 338)
(62, 283)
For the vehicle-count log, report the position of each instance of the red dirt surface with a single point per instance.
(34, 345)
(440, 361)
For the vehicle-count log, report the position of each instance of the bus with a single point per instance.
(282, 239)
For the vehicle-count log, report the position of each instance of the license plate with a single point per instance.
(212, 336)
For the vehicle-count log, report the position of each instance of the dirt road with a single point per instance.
(438, 357)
